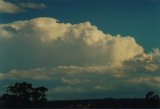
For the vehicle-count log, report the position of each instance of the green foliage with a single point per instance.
(152, 96)
(24, 93)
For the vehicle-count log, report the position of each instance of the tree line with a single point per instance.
(24, 94)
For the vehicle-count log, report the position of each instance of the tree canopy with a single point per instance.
(24, 93)
(152, 96)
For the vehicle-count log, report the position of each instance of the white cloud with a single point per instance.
(9, 7)
(66, 89)
(146, 62)
(77, 57)
(2, 76)
(71, 81)
(99, 87)
(44, 41)
(32, 5)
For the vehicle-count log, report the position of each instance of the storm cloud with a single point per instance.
(79, 58)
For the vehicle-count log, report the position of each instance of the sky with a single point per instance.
(81, 49)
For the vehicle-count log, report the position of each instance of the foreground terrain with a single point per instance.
(96, 103)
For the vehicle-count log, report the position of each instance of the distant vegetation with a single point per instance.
(152, 96)
(25, 95)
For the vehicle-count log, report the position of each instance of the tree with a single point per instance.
(38, 94)
(152, 96)
(21, 91)
(24, 93)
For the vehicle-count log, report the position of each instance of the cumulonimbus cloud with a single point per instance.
(77, 57)
(44, 41)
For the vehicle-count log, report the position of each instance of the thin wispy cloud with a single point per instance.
(7, 7)
(10, 7)
(31, 5)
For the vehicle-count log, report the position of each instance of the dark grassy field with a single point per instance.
(97, 103)
(102, 103)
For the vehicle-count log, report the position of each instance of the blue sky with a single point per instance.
(138, 18)
(81, 48)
